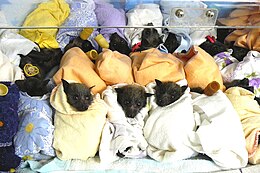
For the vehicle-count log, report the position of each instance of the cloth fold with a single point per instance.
(114, 67)
(152, 64)
(249, 112)
(77, 134)
(75, 65)
(121, 134)
(215, 137)
(52, 13)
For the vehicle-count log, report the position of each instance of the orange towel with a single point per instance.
(152, 64)
(200, 68)
(76, 66)
(114, 67)
(246, 38)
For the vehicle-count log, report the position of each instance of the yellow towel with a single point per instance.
(52, 13)
(152, 64)
(75, 65)
(200, 68)
(114, 67)
(249, 112)
(77, 134)
(246, 38)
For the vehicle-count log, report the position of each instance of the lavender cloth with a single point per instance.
(107, 15)
(81, 15)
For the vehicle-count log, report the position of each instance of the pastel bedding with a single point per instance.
(75, 65)
(77, 134)
(112, 63)
(121, 134)
(249, 113)
(215, 136)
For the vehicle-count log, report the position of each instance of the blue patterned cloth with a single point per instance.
(35, 131)
(81, 15)
(8, 114)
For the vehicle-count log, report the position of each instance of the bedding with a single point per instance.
(111, 63)
(121, 134)
(77, 134)
(75, 65)
(249, 113)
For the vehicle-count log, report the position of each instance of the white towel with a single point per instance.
(120, 132)
(167, 128)
(220, 133)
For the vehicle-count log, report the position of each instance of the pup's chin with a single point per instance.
(81, 108)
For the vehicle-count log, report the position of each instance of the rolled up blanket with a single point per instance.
(166, 129)
(249, 112)
(152, 64)
(75, 65)
(114, 67)
(77, 134)
(121, 135)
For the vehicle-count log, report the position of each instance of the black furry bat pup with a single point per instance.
(132, 99)
(167, 92)
(78, 95)
(119, 44)
(33, 86)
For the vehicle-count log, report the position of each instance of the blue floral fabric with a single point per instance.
(8, 114)
(35, 131)
(81, 15)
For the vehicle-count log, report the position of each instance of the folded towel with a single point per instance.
(152, 64)
(52, 13)
(121, 134)
(219, 132)
(166, 129)
(77, 134)
(249, 112)
(114, 67)
(75, 65)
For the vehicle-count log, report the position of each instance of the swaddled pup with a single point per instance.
(78, 95)
(33, 86)
(119, 44)
(84, 45)
(167, 92)
(150, 38)
(132, 99)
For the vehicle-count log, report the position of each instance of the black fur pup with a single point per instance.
(132, 99)
(171, 42)
(119, 44)
(78, 95)
(84, 45)
(33, 86)
(167, 92)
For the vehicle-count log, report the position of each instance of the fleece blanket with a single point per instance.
(249, 68)
(152, 64)
(249, 112)
(166, 129)
(51, 13)
(219, 133)
(77, 134)
(9, 72)
(247, 38)
(200, 68)
(13, 45)
(121, 134)
(141, 15)
(75, 65)
(114, 67)
(35, 132)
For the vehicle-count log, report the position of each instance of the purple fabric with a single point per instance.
(107, 15)
(8, 159)
(8, 114)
